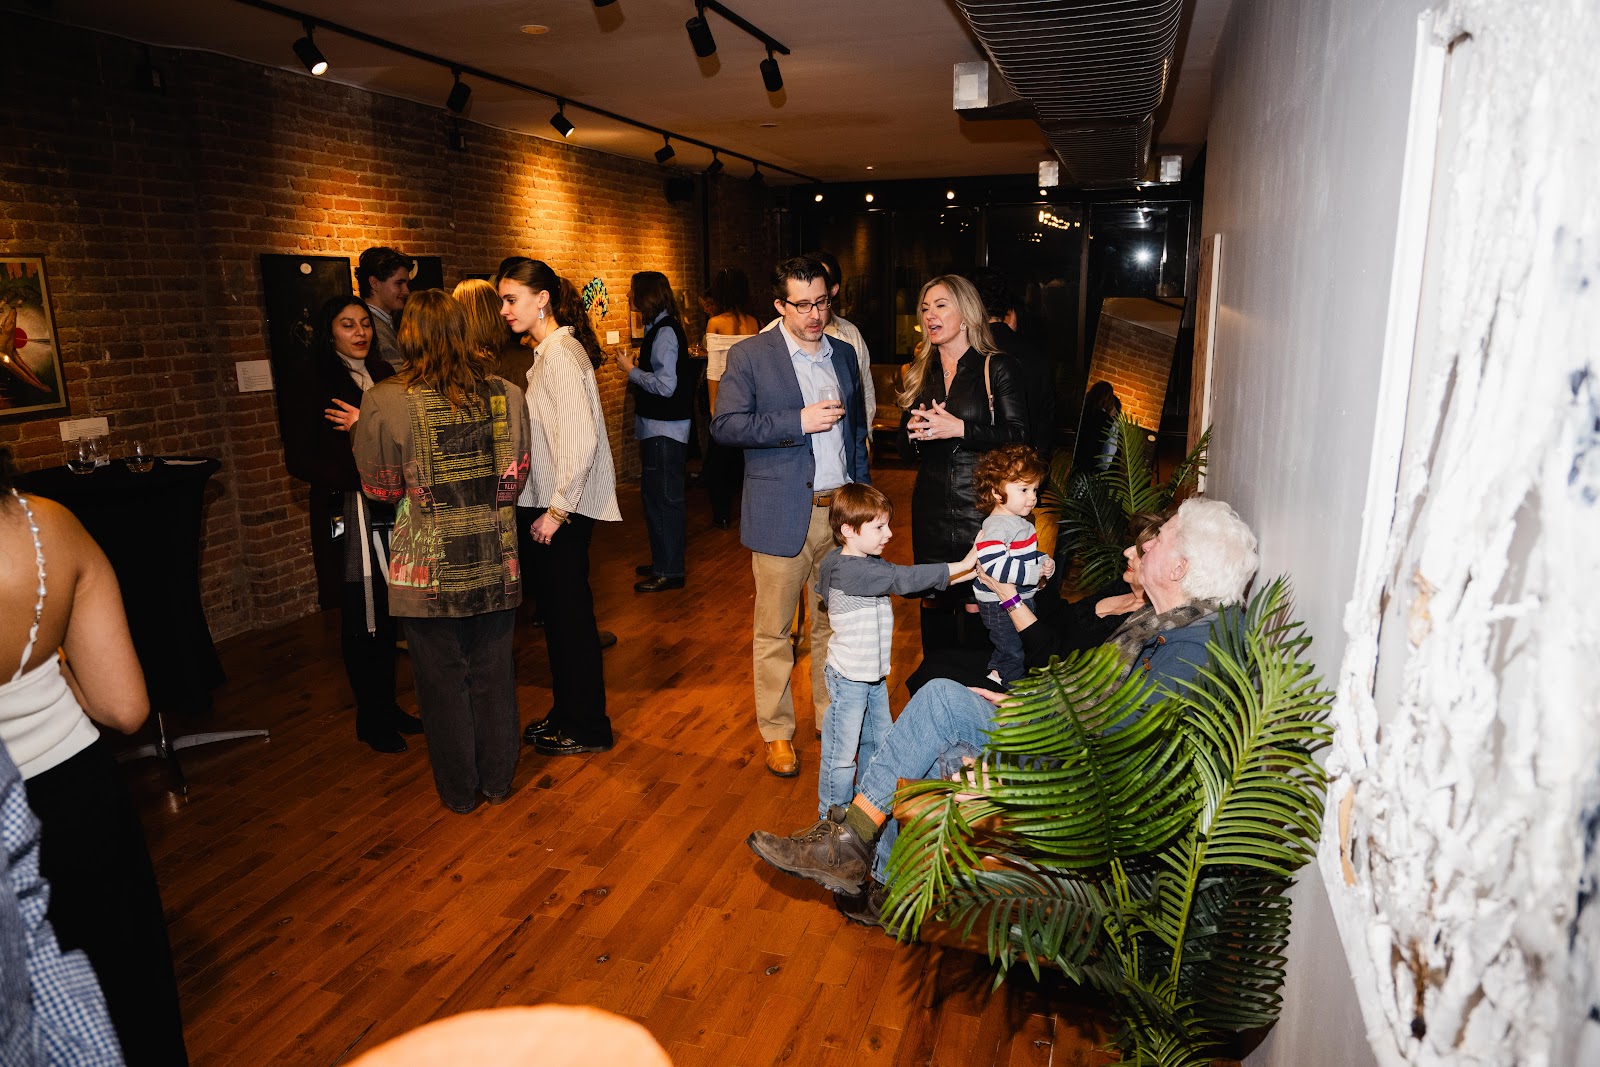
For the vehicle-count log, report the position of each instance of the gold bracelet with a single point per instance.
(557, 514)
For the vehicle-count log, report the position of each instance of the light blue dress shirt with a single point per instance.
(663, 354)
(827, 448)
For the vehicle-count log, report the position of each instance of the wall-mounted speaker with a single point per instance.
(679, 189)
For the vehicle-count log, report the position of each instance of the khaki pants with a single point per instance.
(780, 581)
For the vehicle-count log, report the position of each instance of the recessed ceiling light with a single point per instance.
(869, 198)
(535, 29)
(769, 125)
(871, 167)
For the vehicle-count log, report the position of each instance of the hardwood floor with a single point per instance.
(321, 899)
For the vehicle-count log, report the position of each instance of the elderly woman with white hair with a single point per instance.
(1196, 567)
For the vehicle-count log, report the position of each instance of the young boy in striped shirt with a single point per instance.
(853, 586)
(1006, 481)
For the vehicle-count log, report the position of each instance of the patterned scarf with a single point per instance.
(1144, 624)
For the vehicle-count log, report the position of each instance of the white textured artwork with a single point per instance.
(1460, 848)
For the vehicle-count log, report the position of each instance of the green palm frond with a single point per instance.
(1095, 527)
(1094, 508)
(1255, 720)
(1235, 961)
(1077, 792)
(1131, 476)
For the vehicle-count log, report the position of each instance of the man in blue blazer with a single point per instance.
(791, 398)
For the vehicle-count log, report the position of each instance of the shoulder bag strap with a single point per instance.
(988, 390)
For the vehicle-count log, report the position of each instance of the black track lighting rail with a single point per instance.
(772, 43)
(512, 83)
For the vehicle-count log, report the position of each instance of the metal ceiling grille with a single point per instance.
(1095, 73)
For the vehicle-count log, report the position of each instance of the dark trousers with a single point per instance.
(1007, 660)
(104, 900)
(558, 573)
(369, 657)
(661, 485)
(467, 695)
(722, 473)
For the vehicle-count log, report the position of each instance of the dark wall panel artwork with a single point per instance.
(294, 287)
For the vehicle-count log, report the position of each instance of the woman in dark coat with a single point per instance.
(319, 410)
(965, 397)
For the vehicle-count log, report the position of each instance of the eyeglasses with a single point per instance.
(805, 306)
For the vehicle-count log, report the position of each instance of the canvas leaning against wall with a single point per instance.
(31, 383)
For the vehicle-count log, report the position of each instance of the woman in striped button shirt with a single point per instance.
(571, 485)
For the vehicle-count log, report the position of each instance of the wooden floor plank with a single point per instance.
(321, 899)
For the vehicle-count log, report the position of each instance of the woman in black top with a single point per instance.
(319, 409)
(964, 397)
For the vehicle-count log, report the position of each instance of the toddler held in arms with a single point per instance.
(1006, 481)
(853, 587)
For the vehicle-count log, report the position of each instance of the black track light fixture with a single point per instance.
(560, 121)
(309, 53)
(460, 94)
(757, 178)
(459, 98)
(771, 76)
(705, 45)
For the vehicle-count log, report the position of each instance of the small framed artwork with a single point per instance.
(31, 383)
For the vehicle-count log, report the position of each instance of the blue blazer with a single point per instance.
(758, 410)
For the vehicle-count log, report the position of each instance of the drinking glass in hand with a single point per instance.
(828, 394)
(82, 455)
(140, 460)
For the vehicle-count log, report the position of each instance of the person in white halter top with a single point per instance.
(62, 624)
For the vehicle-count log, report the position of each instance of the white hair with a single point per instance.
(1220, 550)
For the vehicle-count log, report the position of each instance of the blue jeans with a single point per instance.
(856, 724)
(1007, 659)
(943, 715)
(661, 485)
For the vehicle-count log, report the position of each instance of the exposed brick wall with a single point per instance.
(1136, 361)
(152, 211)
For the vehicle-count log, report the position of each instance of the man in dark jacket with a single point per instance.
(1000, 306)
(791, 398)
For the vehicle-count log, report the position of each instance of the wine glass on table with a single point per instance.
(140, 459)
(83, 455)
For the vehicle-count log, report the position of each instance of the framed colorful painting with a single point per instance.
(31, 383)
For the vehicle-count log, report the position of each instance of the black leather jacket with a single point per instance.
(944, 521)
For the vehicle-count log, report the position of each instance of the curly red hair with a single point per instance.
(1010, 463)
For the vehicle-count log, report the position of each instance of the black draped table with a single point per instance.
(150, 526)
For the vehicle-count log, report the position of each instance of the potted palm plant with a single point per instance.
(1151, 862)
(1094, 506)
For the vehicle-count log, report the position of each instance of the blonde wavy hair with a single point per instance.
(973, 317)
(486, 330)
(433, 342)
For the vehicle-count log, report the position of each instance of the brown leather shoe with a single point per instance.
(781, 759)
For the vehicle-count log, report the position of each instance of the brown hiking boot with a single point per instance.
(827, 852)
(864, 908)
